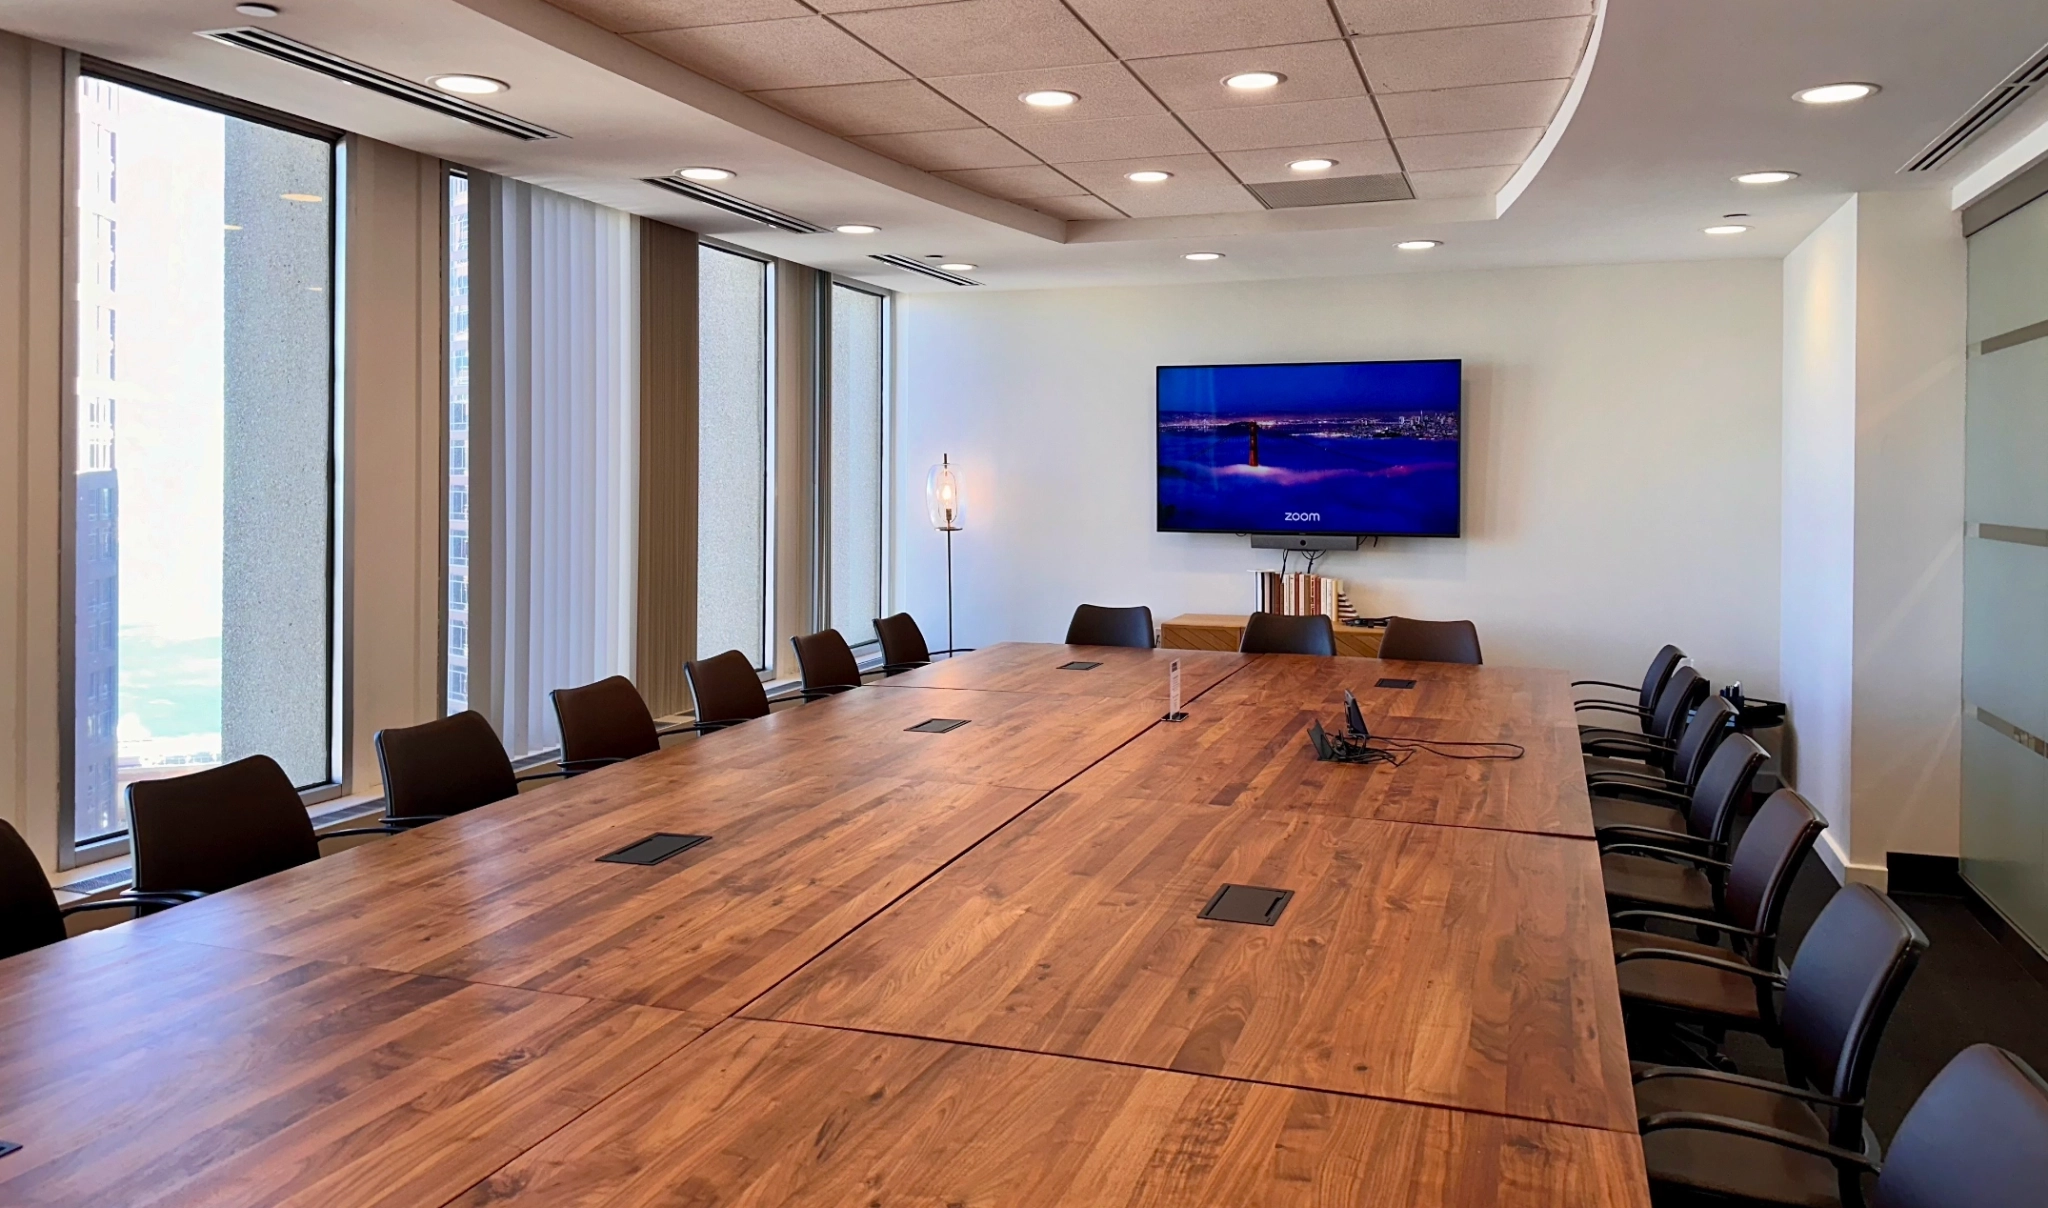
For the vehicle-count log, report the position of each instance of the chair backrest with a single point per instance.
(1684, 692)
(217, 829)
(826, 660)
(1977, 1137)
(1272, 633)
(605, 720)
(1713, 721)
(1760, 871)
(1094, 625)
(28, 909)
(1723, 788)
(903, 642)
(444, 767)
(725, 687)
(1431, 641)
(1851, 968)
(1654, 679)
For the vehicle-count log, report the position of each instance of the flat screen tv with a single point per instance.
(1343, 447)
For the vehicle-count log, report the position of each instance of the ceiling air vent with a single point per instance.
(912, 266)
(2032, 77)
(735, 205)
(1336, 191)
(348, 71)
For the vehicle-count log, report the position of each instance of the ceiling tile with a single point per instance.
(1483, 54)
(889, 107)
(1017, 184)
(1110, 138)
(861, 6)
(1459, 110)
(1105, 89)
(1488, 148)
(1189, 171)
(1459, 182)
(1353, 159)
(806, 52)
(1344, 120)
(1075, 208)
(640, 16)
(1396, 16)
(1315, 71)
(976, 36)
(1142, 28)
(1141, 202)
(949, 150)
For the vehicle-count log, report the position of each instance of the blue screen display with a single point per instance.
(1367, 447)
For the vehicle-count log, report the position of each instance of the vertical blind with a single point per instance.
(854, 469)
(554, 396)
(734, 483)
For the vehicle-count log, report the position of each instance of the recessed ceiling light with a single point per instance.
(298, 197)
(857, 228)
(958, 268)
(1203, 256)
(1418, 245)
(1772, 177)
(468, 85)
(1150, 176)
(1050, 98)
(706, 173)
(1728, 229)
(1312, 165)
(1834, 94)
(1253, 81)
(257, 10)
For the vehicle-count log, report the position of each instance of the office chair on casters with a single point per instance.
(1661, 667)
(445, 767)
(209, 831)
(827, 664)
(1431, 641)
(903, 646)
(609, 722)
(1273, 633)
(1094, 625)
(30, 917)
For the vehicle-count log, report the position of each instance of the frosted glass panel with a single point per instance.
(856, 465)
(732, 456)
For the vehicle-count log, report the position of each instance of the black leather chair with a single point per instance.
(725, 690)
(903, 645)
(827, 663)
(1431, 641)
(1273, 633)
(1696, 1123)
(209, 831)
(1636, 794)
(1094, 625)
(445, 767)
(1660, 670)
(29, 915)
(1681, 870)
(609, 722)
(1683, 693)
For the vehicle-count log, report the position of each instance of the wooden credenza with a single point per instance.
(1222, 631)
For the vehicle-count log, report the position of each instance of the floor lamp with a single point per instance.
(947, 503)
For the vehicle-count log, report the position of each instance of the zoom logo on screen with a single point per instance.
(1297, 517)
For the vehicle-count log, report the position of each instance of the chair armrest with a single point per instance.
(537, 776)
(1755, 1132)
(577, 767)
(686, 727)
(410, 821)
(1605, 684)
(1590, 735)
(810, 694)
(900, 668)
(1651, 849)
(1669, 917)
(173, 896)
(388, 828)
(1609, 706)
(954, 650)
(124, 902)
(1682, 800)
(1696, 958)
(1743, 1080)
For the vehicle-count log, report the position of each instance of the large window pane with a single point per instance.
(732, 456)
(458, 444)
(203, 509)
(855, 440)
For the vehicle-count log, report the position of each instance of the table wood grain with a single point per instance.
(1516, 696)
(1260, 757)
(759, 1115)
(789, 870)
(1036, 667)
(144, 1073)
(1430, 964)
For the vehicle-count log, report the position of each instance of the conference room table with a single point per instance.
(915, 963)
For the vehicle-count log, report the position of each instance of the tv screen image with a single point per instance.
(1364, 447)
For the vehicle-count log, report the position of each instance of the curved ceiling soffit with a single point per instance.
(1512, 191)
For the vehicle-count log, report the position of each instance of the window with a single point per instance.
(733, 466)
(458, 443)
(202, 511)
(854, 438)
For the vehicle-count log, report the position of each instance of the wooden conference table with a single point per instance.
(909, 969)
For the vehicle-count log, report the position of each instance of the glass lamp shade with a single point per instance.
(945, 497)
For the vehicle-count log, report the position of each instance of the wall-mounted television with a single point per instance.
(1342, 447)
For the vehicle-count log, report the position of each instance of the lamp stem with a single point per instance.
(949, 593)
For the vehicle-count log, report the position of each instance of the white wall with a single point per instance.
(1622, 467)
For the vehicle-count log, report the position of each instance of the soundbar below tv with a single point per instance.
(1344, 448)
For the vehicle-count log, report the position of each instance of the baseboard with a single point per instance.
(2009, 937)
(1847, 871)
(1913, 873)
